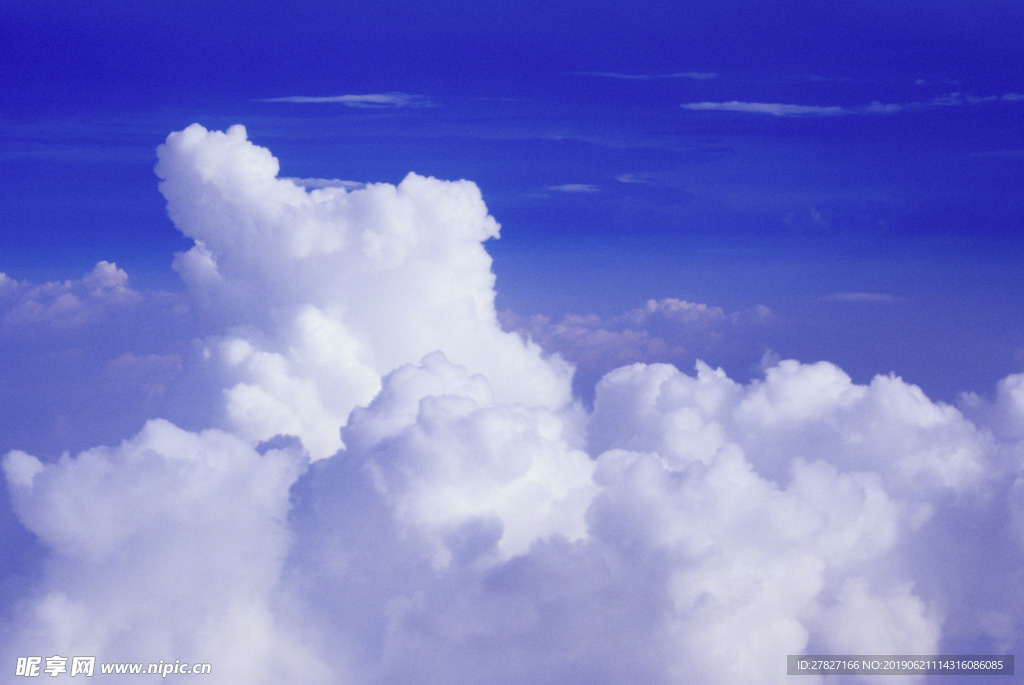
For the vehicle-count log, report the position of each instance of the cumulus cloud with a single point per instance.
(446, 454)
(64, 305)
(667, 330)
(167, 544)
(393, 489)
(325, 291)
(1005, 413)
(794, 512)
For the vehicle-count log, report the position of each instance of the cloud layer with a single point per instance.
(73, 349)
(384, 486)
(667, 330)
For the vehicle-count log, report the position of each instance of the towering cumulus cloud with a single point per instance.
(389, 488)
(319, 294)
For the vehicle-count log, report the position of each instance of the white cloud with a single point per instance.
(445, 455)
(574, 188)
(370, 100)
(858, 296)
(475, 524)
(64, 305)
(1004, 415)
(323, 292)
(941, 82)
(874, 107)
(666, 330)
(978, 100)
(772, 108)
(768, 510)
(167, 546)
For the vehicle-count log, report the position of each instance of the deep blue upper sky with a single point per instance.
(157, 52)
(734, 153)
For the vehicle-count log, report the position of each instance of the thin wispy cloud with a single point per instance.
(573, 188)
(920, 82)
(860, 297)
(370, 100)
(880, 108)
(694, 75)
(1006, 97)
(816, 78)
(778, 109)
(954, 99)
(775, 109)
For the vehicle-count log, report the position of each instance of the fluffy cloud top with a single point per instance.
(167, 544)
(393, 489)
(326, 290)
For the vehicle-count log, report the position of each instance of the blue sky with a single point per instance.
(629, 151)
(315, 390)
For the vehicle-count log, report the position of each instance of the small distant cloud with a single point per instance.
(957, 99)
(945, 100)
(921, 82)
(65, 305)
(668, 330)
(694, 75)
(630, 178)
(816, 78)
(877, 107)
(874, 107)
(371, 100)
(573, 188)
(1006, 97)
(861, 297)
(772, 108)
